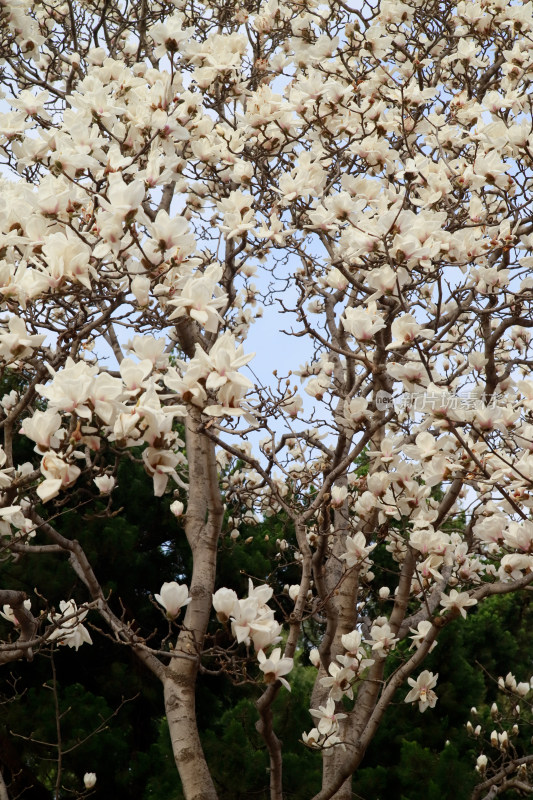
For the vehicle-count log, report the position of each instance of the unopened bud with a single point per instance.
(314, 657)
(89, 780)
(481, 764)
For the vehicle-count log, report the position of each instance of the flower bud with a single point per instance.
(481, 764)
(176, 508)
(89, 779)
(314, 657)
(140, 287)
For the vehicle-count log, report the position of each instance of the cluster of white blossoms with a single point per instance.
(253, 622)
(339, 682)
(68, 628)
(86, 405)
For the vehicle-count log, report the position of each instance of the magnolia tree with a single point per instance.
(168, 169)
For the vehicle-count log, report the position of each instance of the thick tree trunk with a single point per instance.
(342, 618)
(188, 754)
(203, 524)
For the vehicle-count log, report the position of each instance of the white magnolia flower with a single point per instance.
(422, 690)
(275, 667)
(173, 598)
(328, 720)
(70, 632)
(339, 682)
(338, 495)
(224, 602)
(265, 632)
(382, 639)
(356, 549)
(58, 475)
(420, 633)
(457, 601)
(405, 329)
(200, 298)
(42, 428)
(313, 738)
(8, 613)
(351, 641)
(105, 483)
(363, 323)
(16, 342)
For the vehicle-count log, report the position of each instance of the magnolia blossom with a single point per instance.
(405, 329)
(420, 633)
(338, 495)
(356, 549)
(351, 641)
(70, 630)
(422, 690)
(363, 324)
(457, 601)
(338, 682)
(383, 640)
(328, 720)
(274, 667)
(58, 474)
(173, 598)
(161, 465)
(9, 614)
(105, 483)
(224, 603)
(197, 301)
(251, 618)
(16, 343)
